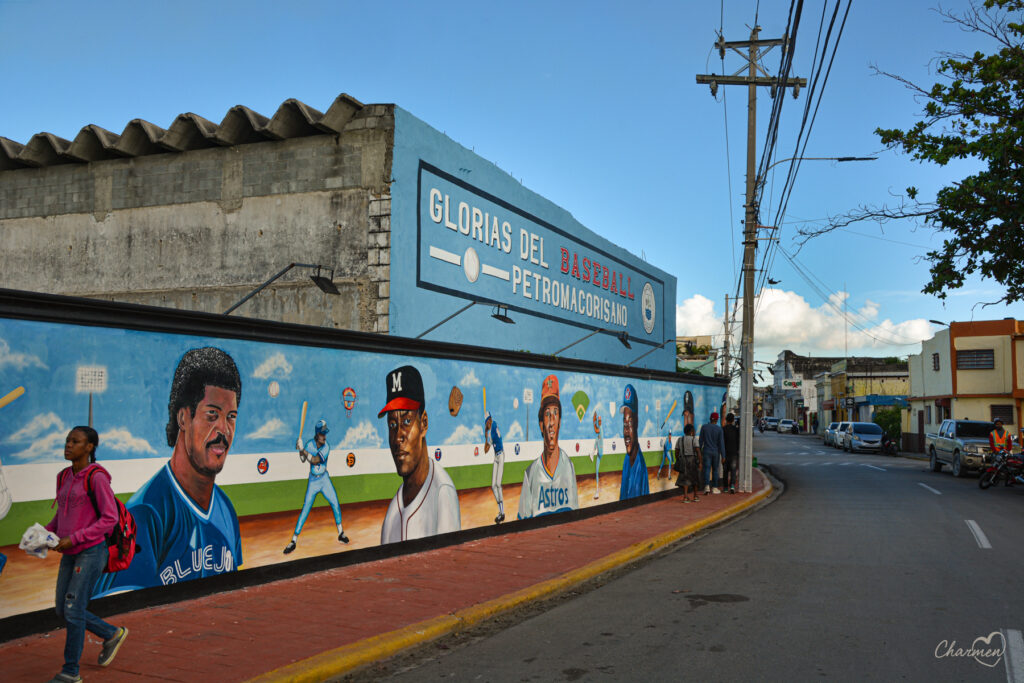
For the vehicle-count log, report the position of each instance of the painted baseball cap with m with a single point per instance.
(405, 390)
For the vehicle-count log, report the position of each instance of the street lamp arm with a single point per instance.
(782, 161)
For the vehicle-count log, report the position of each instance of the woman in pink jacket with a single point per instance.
(82, 523)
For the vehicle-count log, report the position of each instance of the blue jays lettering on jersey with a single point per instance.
(494, 438)
(323, 451)
(177, 540)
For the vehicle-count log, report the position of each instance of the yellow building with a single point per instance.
(972, 370)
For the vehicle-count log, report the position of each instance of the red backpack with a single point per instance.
(121, 545)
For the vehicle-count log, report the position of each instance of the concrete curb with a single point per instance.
(343, 659)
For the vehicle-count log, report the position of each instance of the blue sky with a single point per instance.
(593, 105)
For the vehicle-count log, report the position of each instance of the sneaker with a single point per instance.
(707, 490)
(341, 537)
(732, 489)
(597, 495)
(66, 678)
(111, 646)
(500, 518)
(715, 490)
(290, 547)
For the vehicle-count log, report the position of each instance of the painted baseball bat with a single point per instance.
(669, 414)
(302, 421)
(11, 396)
(485, 400)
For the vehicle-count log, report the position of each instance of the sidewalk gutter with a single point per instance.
(343, 659)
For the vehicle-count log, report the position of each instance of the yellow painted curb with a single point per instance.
(348, 657)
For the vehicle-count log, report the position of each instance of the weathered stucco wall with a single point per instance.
(200, 229)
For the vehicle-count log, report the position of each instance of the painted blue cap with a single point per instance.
(629, 398)
(321, 427)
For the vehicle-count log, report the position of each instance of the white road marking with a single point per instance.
(843, 464)
(937, 493)
(979, 535)
(1014, 656)
(825, 464)
(880, 469)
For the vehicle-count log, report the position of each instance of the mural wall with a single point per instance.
(234, 454)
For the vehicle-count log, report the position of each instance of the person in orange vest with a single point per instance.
(999, 439)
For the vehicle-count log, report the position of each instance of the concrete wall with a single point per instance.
(998, 380)
(199, 229)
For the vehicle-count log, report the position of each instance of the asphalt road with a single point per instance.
(865, 568)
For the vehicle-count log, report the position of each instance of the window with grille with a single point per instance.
(976, 359)
(928, 414)
(1004, 413)
(935, 361)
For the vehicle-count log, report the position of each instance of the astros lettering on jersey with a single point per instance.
(544, 492)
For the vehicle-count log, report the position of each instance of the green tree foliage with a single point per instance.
(889, 420)
(976, 112)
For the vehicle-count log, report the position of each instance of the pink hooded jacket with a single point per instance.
(76, 517)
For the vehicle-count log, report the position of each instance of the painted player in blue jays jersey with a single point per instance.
(492, 438)
(549, 483)
(598, 452)
(634, 466)
(187, 526)
(666, 456)
(316, 451)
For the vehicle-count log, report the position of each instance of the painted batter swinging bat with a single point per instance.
(668, 415)
(11, 396)
(302, 420)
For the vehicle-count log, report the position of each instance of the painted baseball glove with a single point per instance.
(454, 401)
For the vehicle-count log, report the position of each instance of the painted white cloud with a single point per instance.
(514, 433)
(48, 448)
(274, 366)
(649, 429)
(469, 380)
(121, 440)
(465, 435)
(363, 435)
(271, 429)
(37, 425)
(19, 361)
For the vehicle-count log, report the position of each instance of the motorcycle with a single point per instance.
(1005, 466)
(889, 446)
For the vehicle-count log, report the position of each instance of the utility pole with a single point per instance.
(725, 360)
(751, 80)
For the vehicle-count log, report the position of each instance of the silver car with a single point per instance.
(830, 433)
(840, 435)
(862, 436)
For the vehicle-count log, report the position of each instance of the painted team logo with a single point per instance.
(437, 454)
(350, 460)
(517, 449)
(262, 466)
(613, 445)
(273, 389)
(647, 302)
(597, 423)
(648, 443)
(348, 398)
(476, 451)
(577, 446)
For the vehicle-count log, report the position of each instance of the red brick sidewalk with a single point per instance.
(241, 634)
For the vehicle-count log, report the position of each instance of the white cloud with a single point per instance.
(274, 366)
(19, 361)
(271, 429)
(514, 433)
(363, 435)
(38, 424)
(121, 440)
(465, 435)
(469, 380)
(650, 429)
(696, 316)
(48, 448)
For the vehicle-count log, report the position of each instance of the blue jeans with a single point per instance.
(76, 580)
(711, 468)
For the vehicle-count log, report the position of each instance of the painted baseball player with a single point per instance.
(187, 526)
(634, 467)
(492, 438)
(598, 452)
(549, 483)
(316, 452)
(666, 456)
(426, 503)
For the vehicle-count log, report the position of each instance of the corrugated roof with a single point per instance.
(239, 126)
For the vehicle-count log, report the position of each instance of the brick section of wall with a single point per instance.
(378, 257)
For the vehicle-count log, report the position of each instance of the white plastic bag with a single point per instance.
(37, 540)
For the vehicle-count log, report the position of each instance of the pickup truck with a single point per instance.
(961, 444)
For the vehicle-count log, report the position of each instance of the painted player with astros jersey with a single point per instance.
(598, 452)
(549, 483)
(492, 438)
(426, 503)
(316, 452)
(187, 526)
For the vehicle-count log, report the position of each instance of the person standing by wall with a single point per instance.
(688, 464)
(712, 447)
(731, 434)
(86, 514)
